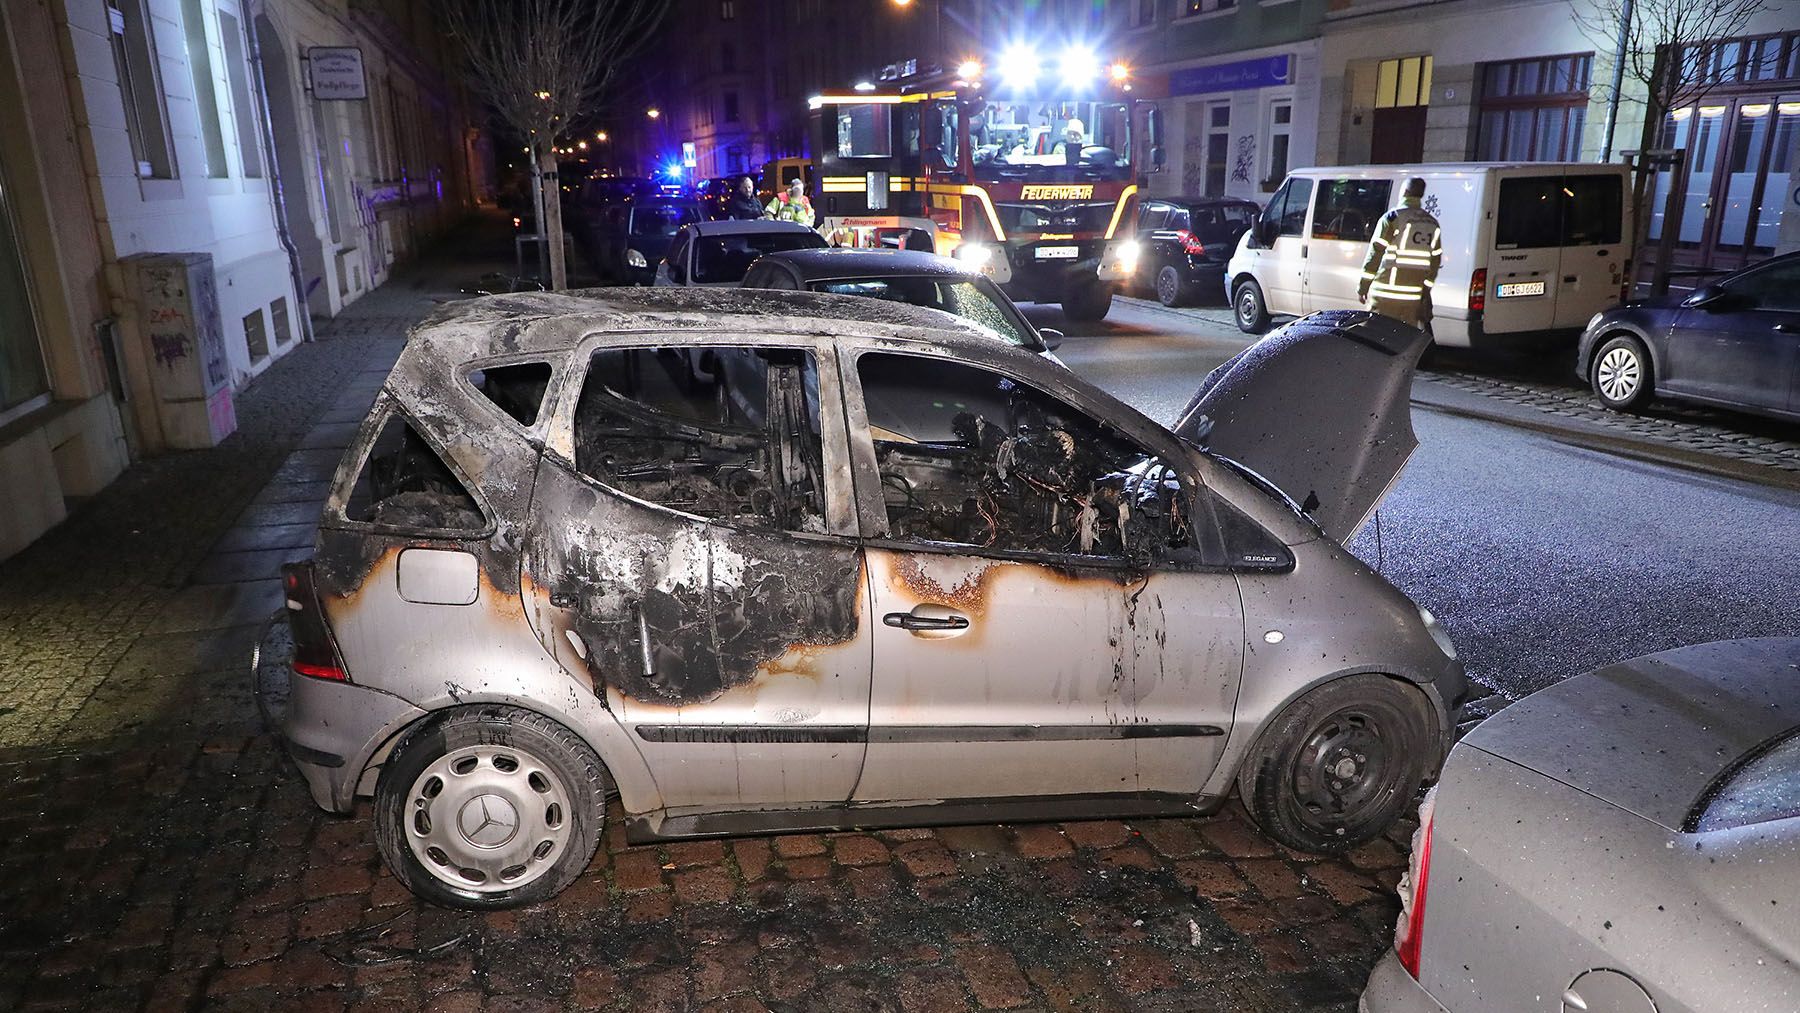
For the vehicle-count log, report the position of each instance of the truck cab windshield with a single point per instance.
(1051, 141)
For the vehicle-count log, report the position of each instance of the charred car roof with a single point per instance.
(545, 322)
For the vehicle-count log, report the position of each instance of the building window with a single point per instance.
(22, 380)
(146, 117)
(727, 10)
(1218, 147)
(727, 59)
(1143, 13)
(1401, 84)
(1209, 6)
(242, 106)
(1281, 128)
(1534, 110)
(206, 99)
(731, 107)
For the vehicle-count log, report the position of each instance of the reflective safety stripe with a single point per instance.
(1413, 259)
(1380, 241)
(1397, 296)
(1384, 288)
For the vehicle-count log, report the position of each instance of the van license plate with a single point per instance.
(1519, 288)
(1057, 252)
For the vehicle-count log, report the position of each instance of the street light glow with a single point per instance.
(1079, 66)
(600, 136)
(1019, 66)
(653, 112)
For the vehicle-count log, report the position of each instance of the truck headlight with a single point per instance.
(1127, 253)
(975, 255)
(633, 258)
(1438, 636)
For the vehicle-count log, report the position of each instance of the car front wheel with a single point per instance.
(1248, 308)
(1337, 766)
(490, 807)
(1621, 373)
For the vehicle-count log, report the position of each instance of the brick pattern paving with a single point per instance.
(161, 855)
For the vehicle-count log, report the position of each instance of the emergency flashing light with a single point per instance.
(864, 86)
(1019, 66)
(1079, 65)
(969, 70)
(1120, 73)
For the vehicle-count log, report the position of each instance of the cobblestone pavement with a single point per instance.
(161, 855)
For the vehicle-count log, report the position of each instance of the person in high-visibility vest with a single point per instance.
(1404, 256)
(791, 206)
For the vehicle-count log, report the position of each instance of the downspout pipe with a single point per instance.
(1618, 80)
(277, 198)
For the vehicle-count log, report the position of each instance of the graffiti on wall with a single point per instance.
(1245, 165)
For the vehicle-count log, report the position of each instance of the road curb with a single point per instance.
(1607, 443)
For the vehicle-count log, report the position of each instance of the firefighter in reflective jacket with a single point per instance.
(791, 206)
(1403, 260)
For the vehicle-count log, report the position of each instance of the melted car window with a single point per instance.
(965, 299)
(405, 484)
(517, 390)
(973, 458)
(726, 433)
(1763, 789)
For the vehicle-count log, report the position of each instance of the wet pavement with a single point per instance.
(161, 855)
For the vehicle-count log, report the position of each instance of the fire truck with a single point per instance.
(1032, 177)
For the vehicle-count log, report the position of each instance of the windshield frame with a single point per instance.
(1033, 341)
(1057, 115)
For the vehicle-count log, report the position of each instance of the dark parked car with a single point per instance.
(919, 279)
(714, 194)
(631, 237)
(718, 253)
(1185, 243)
(1734, 343)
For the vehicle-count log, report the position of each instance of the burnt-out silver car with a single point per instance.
(882, 570)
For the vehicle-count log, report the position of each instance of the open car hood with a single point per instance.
(1320, 407)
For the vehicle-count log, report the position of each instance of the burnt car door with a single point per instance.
(693, 553)
(1038, 583)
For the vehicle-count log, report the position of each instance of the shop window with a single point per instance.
(406, 484)
(719, 432)
(140, 86)
(1349, 208)
(971, 458)
(243, 107)
(1533, 110)
(518, 390)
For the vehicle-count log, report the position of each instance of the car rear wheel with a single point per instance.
(1621, 373)
(490, 807)
(1171, 288)
(1248, 308)
(1336, 767)
(1089, 302)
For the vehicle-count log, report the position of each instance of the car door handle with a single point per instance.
(908, 621)
(1569, 279)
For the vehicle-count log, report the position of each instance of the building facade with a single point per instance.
(181, 192)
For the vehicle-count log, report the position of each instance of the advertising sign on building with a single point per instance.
(337, 72)
(1259, 73)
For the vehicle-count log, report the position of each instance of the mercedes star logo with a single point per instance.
(488, 821)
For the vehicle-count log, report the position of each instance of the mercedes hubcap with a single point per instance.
(488, 818)
(1619, 374)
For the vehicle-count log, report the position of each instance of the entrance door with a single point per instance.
(1023, 617)
(698, 562)
(1738, 177)
(1399, 135)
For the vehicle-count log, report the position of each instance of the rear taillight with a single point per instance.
(1409, 933)
(315, 654)
(1190, 243)
(1478, 290)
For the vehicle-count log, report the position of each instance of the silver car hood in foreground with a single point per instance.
(1320, 407)
(1650, 735)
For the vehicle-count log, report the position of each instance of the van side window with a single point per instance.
(1530, 207)
(1593, 209)
(1288, 206)
(1349, 208)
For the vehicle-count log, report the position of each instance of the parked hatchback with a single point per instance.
(1734, 343)
(719, 253)
(1186, 242)
(894, 572)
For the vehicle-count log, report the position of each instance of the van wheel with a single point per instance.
(1089, 303)
(1248, 307)
(490, 807)
(1337, 766)
(1171, 288)
(1621, 373)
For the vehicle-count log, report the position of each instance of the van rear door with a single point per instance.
(1525, 263)
(1594, 247)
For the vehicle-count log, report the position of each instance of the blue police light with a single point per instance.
(1019, 66)
(1079, 66)
(673, 170)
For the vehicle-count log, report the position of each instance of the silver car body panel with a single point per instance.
(1536, 882)
(802, 709)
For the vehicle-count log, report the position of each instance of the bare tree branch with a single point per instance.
(1666, 44)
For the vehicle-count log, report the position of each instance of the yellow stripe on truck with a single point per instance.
(1119, 210)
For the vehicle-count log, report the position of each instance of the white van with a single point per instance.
(1529, 247)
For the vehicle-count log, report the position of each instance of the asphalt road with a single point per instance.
(1543, 555)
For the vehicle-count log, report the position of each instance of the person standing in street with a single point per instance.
(743, 206)
(791, 205)
(1404, 256)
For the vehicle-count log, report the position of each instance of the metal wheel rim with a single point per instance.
(1167, 284)
(1246, 305)
(1618, 374)
(487, 818)
(1343, 770)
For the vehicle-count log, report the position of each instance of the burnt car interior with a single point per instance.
(405, 484)
(725, 433)
(517, 390)
(975, 458)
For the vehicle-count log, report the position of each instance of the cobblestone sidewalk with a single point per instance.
(160, 855)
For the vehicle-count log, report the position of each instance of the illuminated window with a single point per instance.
(1403, 83)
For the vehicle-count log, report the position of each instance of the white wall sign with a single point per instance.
(337, 72)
